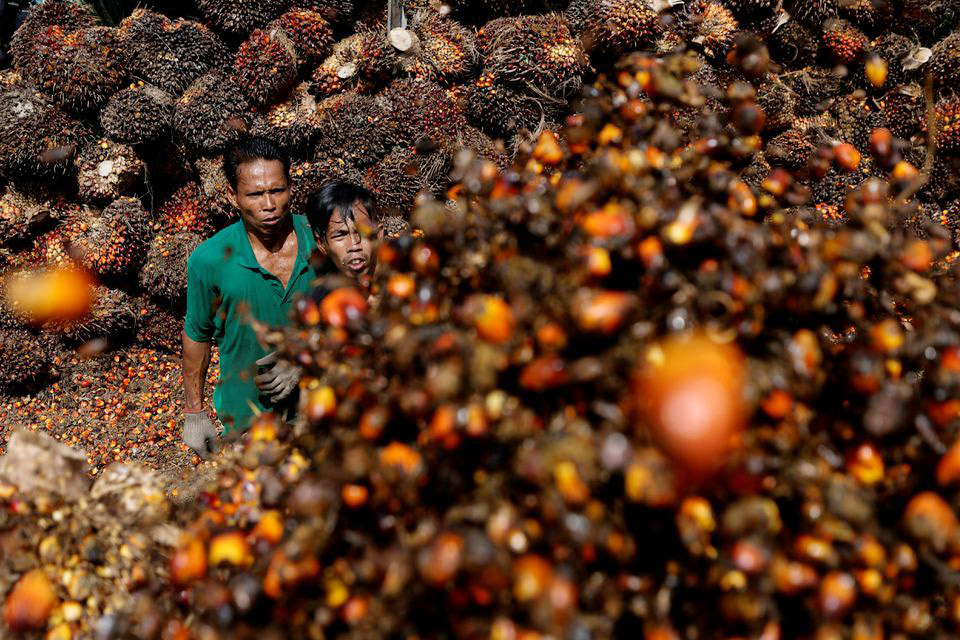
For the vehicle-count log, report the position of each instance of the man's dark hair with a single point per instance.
(248, 149)
(322, 204)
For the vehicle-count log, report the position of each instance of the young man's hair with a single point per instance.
(341, 196)
(248, 149)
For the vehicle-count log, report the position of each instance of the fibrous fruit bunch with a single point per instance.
(778, 103)
(903, 109)
(855, 119)
(503, 110)
(712, 26)
(265, 65)
(538, 53)
(446, 51)
(866, 14)
(170, 54)
(945, 62)
(138, 114)
(157, 327)
(112, 316)
(24, 359)
(793, 45)
(812, 12)
(36, 138)
(402, 174)
(334, 11)
(341, 69)
(164, 272)
(306, 178)
(421, 109)
(106, 170)
(359, 129)
(211, 113)
(214, 185)
(309, 32)
(931, 20)
(790, 149)
(69, 15)
(947, 115)
(844, 41)
(21, 214)
(190, 210)
(240, 17)
(293, 123)
(612, 27)
(78, 69)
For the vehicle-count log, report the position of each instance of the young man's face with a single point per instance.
(262, 195)
(351, 242)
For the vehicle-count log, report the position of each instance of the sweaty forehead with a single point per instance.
(260, 174)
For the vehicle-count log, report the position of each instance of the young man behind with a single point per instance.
(251, 270)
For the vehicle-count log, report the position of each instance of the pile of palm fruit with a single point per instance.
(673, 354)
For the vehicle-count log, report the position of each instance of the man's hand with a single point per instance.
(279, 377)
(200, 434)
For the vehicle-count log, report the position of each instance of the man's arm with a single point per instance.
(196, 360)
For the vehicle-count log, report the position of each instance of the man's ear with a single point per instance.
(232, 196)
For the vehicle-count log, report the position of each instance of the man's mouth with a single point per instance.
(357, 264)
(271, 221)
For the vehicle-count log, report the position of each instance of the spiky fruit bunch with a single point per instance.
(711, 25)
(164, 272)
(778, 103)
(190, 210)
(24, 359)
(170, 54)
(110, 243)
(866, 14)
(893, 49)
(481, 10)
(310, 33)
(793, 45)
(113, 316)
(265, 65)
(844, 41)
(446, 50)
(537, 52)
(944, 179)
(358, 128)
(106, 170)
(814, 86)
(157, 327)
(904, 110)
(401, 175)
(306, 178)
(240, 17)
(293, 122)
(21, 214)
(214, 185)
(945, 62)
(947, 115)
(421, 110)
(790, 149)
(394, 226)
(36, 138)
(812, 12)
(482, 146)
(79, 69)
(341, 69)
(613, 27)
(501, 110)
(211, 113)
(69, 15)
(855, 119)
(334, 11)
(931, 20)
(137, 114)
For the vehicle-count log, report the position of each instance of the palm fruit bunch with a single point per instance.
(293, 122)
(360, 129)
(947, 117)
(843, 41)
(169, 54)
(106, 170)
(854, 120)
(903, 109)
(308, 31)
(778, 103)
(502, 110)
(36, 138)
(335, 12)
(110, 243)
(943, 61)
(402, 174)
(157, 327)
(164, 272)
(419, 109)
(237, 18)
(791, 149)
(812, 13)
(930, 20)
(793, 45)
(190, 210)
(265, 66)
(113, 316)
(21, 214)
(308, 177)
(535, 52)
(610, 28)
(25, 360)
(443, 51)
(138, 114)
(869, 15)
(363, 61)
(892, 52)
(214, 186)
(69, 15)
(78, 69)
(712, 27)
(212, 112)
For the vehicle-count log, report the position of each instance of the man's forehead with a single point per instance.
(260, 173)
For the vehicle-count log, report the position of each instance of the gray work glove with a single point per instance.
(277, 378)
(200, 434)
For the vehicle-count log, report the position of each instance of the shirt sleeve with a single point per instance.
(201, 301)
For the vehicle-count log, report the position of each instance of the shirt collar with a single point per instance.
(305, 244)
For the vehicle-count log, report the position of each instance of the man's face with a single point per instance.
(262, 195)
(352, 242)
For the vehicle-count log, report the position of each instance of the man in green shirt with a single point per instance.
(249, 271)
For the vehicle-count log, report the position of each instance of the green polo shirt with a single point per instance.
(225, 283)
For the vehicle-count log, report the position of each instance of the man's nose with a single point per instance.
(270, 202)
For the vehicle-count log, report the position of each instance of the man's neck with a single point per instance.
(272, 242)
